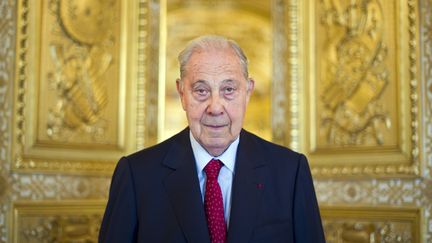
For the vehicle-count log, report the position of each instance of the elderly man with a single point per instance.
(213, 181)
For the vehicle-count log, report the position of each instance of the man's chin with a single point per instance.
(216, 146)
(216, 131)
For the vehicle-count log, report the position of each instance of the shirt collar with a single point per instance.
(202, 157)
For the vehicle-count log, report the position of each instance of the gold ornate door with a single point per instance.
(348, 83)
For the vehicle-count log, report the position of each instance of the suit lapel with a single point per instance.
(183, 190)
(248, 184)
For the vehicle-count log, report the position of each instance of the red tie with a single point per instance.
(213, 203)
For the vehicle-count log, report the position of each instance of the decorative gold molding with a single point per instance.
(414, 85)
(58, 221)
(425, 84)
(149, 31)
(371, 224)
(426, 52)
(280, 108)
(286, 75)
(103, 168)
(142, 25)
(401, 155)
(7, 58)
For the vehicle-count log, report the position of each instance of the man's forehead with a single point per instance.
(213, 74)
(214, 63)
(208, 67)
(227, 54)
(204, 81)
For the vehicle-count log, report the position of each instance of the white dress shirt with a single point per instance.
(226, 174)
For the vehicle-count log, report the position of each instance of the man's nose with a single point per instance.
(215, 106)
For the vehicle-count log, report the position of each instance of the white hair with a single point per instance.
(207, 42)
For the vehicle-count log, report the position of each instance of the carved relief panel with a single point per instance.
(361, 94)
(371, 225)
(78, 55)
(73, 89)
(355, 56)
(57, 222)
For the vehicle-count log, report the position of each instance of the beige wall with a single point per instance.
(372, 185)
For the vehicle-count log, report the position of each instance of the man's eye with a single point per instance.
(201, 92)
(229, 90)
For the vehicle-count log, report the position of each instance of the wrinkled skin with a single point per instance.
(214, 93)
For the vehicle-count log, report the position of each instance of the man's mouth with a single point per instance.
(215, 126)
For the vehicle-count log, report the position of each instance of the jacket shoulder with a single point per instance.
(268, 147)
(158, 152)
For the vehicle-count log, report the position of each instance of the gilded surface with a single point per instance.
(361, 224)
(426, 63)
(362, 75)
(57, 187)
(57, 222)
(83, 228)
(75, 86)
(146, 110)
(79, 76)
(280, 101)
(355, 231)
(379, 193)
(293, 88)
(87, 22)
(7, 48)
(354, 74)
(426, 37)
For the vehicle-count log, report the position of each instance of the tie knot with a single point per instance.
(212, 168)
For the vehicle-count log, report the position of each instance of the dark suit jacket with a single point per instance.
(155, 196)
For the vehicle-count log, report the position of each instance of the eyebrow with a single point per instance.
(199, 82)
(233, 81)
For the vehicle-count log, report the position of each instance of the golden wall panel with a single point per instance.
(7, 61)
(361, 94)
(283, 13)
(75, 86)
(57, 221)
(426, 37)
(350, 224)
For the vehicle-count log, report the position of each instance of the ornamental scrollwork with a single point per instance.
(354, 73)
(80, 61)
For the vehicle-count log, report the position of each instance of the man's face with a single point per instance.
(214, 93)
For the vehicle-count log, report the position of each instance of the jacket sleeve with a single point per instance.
(119, 223)
(307, 219)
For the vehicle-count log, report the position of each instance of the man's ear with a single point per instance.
(250, 87)
(179, 87)
(180, 91)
